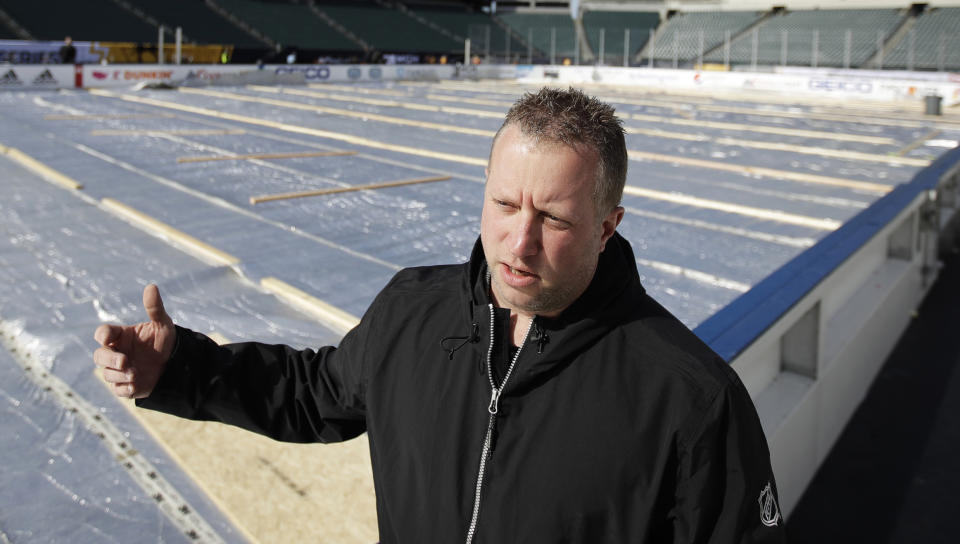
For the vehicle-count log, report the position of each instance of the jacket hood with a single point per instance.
(609, 300)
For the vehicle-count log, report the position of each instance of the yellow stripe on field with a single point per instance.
(878, 140)
(727, 229)
(859, 119)
(762, 171)
(337, 190)
(919, 142)
(378, 102)
(695, 275)
(200, 249)
(356, 140)
(729, 207)
(298, 155)
(67, 117)
(160, 132)
(352, 89)
(825, 152)
(331, 316)
(37, 167)
(466, 100)
(343, 113)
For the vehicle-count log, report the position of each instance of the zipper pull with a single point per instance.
(494, 401)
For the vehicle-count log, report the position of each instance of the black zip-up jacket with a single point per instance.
(616, 424)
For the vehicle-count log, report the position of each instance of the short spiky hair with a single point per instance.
(582, 122)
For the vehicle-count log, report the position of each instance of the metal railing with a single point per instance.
(835, 48)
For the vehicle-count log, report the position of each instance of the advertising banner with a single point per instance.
(120, 75)
(127, 75)
(29, 52)
(864, 85)
(313, 73)
(17, 77)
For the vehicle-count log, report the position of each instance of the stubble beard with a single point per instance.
(548, 301)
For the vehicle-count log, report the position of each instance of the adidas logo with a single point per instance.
(45, 78)
(10, 78)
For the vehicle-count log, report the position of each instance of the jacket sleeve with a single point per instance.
(275, 390)
(726, 491)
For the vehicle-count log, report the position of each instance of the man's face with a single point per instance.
(539, 228)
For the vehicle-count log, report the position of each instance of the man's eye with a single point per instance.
(556, 222)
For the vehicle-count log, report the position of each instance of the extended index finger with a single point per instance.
(107, 334)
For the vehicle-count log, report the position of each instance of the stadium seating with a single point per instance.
(825, 30)
(94, 20)
(389, 30)
(479, 27)
(199, 23)
(614, 23)
(679, 37)
(542, 28)
(292, 25)
(935, 40)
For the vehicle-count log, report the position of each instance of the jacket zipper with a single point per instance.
(492, 409)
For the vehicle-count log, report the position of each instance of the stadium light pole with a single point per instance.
(653, 45)
(847, 46)
(160, 45)
(626, 47)
(726, 50)
(880, 50)
(530, 45)
(783, 47)
(178, 35)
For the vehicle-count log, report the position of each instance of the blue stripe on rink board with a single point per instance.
(737, 325)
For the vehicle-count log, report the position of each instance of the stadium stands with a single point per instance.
(550, 32)
(837, 38)
(290, 24)
(95, 20)
(614, 25)
(483, 32)
(932, 44)
(199, 23)
(679, 37)
(390, 30)
(911, 37)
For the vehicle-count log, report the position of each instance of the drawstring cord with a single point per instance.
(445, 343)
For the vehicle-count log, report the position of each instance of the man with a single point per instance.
(533, 394)
(68, 53)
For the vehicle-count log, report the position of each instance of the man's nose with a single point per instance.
(526, 237)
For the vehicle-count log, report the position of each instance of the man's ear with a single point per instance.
(609, 225)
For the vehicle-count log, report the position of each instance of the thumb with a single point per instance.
(153, 304)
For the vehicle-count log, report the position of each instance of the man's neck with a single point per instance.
(519, 324)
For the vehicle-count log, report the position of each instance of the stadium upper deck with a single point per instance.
(865, 34)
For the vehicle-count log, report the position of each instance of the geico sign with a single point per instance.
(309, 72)
(831, 85)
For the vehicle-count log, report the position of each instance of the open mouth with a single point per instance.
(517, 277)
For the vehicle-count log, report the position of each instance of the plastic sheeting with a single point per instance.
(65, 267)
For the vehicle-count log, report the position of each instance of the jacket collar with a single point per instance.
(616, 271)
(610, 300)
